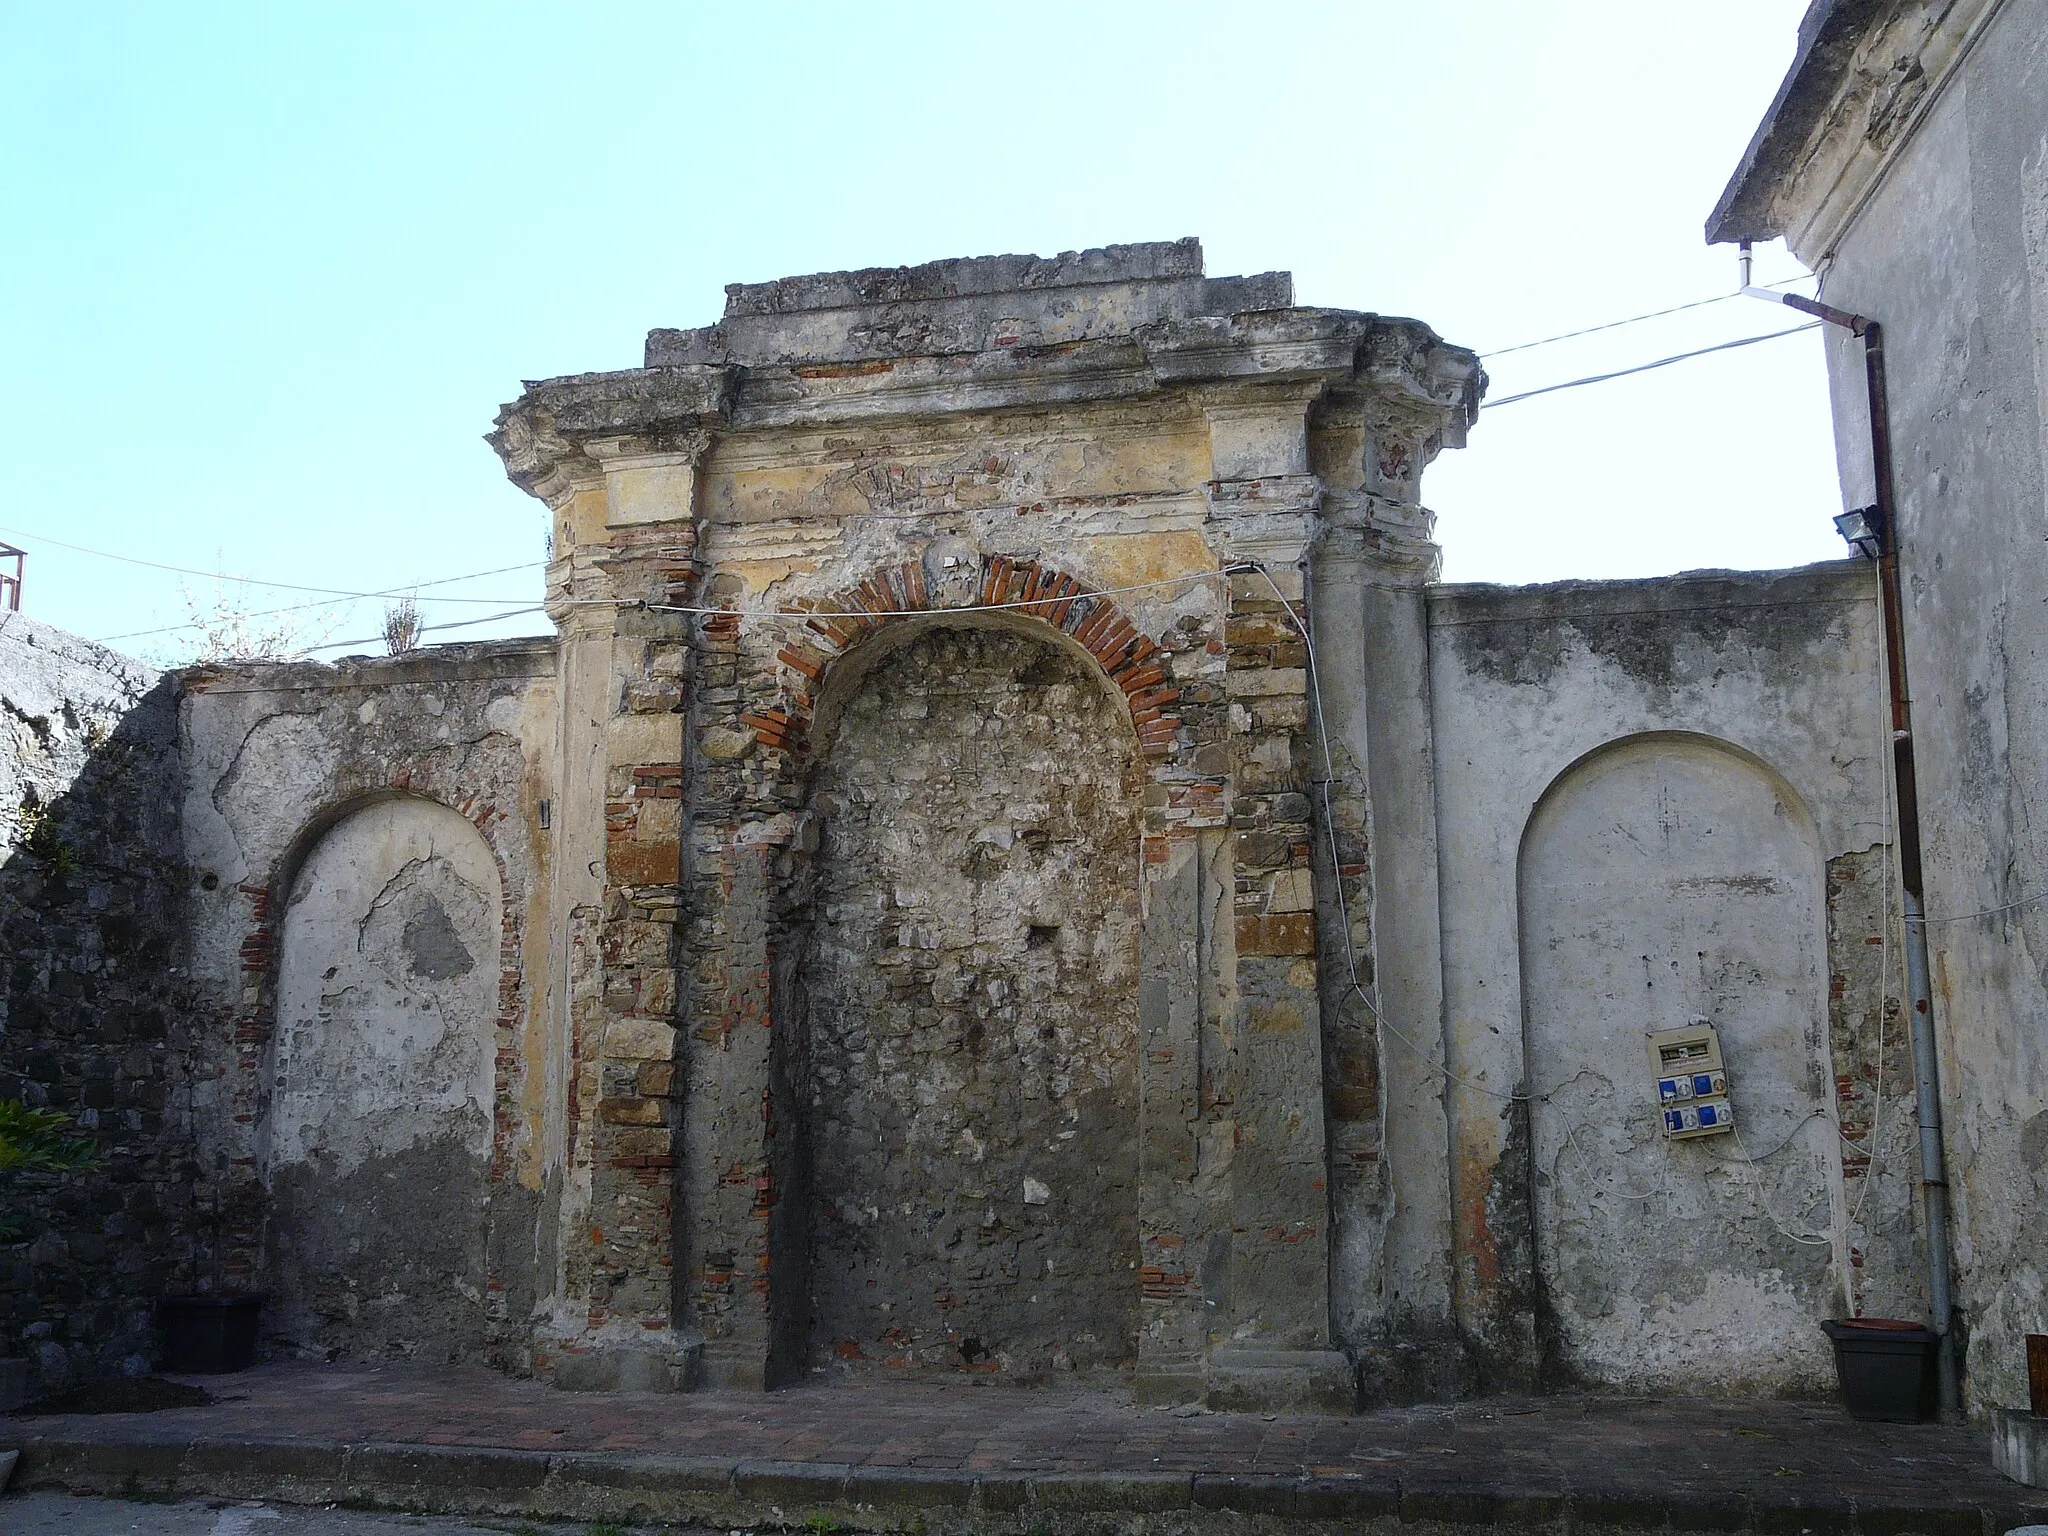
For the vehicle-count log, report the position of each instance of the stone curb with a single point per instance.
(472, 1480)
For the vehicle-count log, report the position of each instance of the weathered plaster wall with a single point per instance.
(1950, 253)
(1664, 880)
(376, 1150)
(369, 918)
(93, 999)
(971, 986)
(1659, 800)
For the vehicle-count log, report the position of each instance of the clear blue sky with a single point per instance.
(268, 270)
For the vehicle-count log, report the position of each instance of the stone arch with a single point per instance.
(1662, 878)
(840, 623)
(1005, 1036)
(377, 1140)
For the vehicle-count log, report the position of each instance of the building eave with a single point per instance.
(1831, 34)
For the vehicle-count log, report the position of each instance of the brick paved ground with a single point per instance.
(1691, 1464)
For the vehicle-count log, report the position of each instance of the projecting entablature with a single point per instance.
(1135, 327)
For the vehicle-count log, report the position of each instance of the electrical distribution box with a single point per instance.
(1692, 1084)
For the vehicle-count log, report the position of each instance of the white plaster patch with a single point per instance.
(386, 990)
(1666, 881)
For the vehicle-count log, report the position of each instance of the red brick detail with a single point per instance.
(834, 624)
(1289, 933)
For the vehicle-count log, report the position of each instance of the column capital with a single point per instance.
(1391, 541)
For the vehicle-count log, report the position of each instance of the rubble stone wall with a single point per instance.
(94, 998)
(971, 985)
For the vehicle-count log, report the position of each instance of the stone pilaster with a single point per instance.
(1271, 1345)
(1391, 1144)
(626, 673)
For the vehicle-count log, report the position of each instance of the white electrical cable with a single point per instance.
(1655, 314)
(1964, 917)
(1315, 686)
(827, 616)
(1572, 1136)
(1826, 1240)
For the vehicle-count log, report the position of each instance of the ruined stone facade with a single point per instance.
(1012, 870)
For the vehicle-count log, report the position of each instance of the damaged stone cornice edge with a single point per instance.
(543, 438)
(1415, 381)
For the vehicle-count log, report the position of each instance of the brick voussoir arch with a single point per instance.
(1127, 656)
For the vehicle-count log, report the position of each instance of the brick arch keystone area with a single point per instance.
(841, 622)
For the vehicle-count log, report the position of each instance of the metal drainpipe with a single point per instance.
(1926, 1062)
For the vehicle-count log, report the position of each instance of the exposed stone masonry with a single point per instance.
(95, 1001)
(1872, 1050)
(971, 986)
(1077, 449)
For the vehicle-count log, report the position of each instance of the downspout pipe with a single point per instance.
(1926, 1060)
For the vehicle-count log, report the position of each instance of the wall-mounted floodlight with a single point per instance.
(1864, 529)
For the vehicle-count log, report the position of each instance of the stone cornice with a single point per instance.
(1867, 75)
(542, 436)
(1398, 370)
(1395, 540)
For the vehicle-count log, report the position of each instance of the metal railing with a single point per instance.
(10, 581)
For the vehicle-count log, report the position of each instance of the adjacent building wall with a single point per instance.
(94, 998)
(1952, 256)
(1907, 159)
(1659, 801)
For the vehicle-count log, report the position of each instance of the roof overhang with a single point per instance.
(1831, 35)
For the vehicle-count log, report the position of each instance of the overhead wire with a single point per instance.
(1662, 362)
(248, 581)
(511, 613)
(334, 596)
(1655, 314)
(333, 602)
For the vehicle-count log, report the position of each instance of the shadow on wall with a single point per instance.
(1668, 879)
(375, 1149)
(96, 1012)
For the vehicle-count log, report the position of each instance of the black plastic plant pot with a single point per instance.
(209, 1335)
(1887, 1369)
